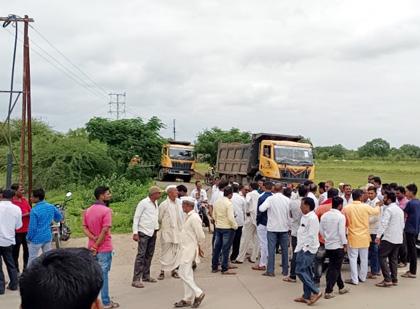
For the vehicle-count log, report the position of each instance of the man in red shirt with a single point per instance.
(97, 223)
(20, 236)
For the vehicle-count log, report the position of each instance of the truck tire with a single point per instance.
(186, 178)
(161, 175)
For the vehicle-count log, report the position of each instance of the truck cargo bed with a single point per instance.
(233, 159)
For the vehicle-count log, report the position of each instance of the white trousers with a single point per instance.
(249, 240)
(356, 271)
(191, 290)
(262, 237)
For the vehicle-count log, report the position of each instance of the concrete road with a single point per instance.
(246, 290)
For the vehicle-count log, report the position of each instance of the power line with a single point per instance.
(68, 60)
(118, 103)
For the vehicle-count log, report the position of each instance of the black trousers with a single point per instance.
(412, 251)
(20, 241)
(402, 254)
(236, 243)
(319, 263)
(6, 254)
(388, 258)
(145, 251)
(293, 262)
(336, 258)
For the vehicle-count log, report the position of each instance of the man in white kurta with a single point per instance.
(191, 237)
(170, 222)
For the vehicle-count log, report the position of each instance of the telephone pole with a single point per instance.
(26, 128)
(117, 104)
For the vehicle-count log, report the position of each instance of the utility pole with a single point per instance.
(26, 128)
(174, 130)
(117, 104)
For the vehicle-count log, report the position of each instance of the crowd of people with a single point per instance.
(315, 228)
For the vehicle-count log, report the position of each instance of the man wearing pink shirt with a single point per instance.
(97, 223)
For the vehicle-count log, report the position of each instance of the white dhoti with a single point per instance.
(262, 237)
(169, 256)
(249, 242)
(191, 290)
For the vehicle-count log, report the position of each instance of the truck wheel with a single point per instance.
(187, 178)
(161, 175)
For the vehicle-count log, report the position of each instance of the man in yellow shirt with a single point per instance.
(225, 230)
(357, 216)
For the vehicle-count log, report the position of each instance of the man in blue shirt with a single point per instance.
(412, 227)
(262, 227)
(42, 215)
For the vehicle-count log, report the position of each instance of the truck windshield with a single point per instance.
(293, 155)
(181, 154)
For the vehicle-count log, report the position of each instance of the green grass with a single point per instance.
(201, 168)
(355, 172)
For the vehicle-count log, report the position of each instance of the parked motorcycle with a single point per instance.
(60, 230)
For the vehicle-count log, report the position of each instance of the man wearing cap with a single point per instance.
(145, 226)
(192, 236)
(170, 222)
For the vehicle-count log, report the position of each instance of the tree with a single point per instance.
(410, 151)
(63, 160)
(335, 151)
(377, 147)
(38, 128)
(128, 137)
(208, 141)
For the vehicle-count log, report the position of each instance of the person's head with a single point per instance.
(389, 197)
(223, 184)
(198, 185)
(216, 181)
(411, 191)
(371, 192)
(19, 190)
(337, 203)
(377, 182)
(235, 188)
(321, 187)
(312, 188)
(8, 194)
(307, 205)
(172, 192)
(333, 192)
(385, 187)
(370, 179)
(244, 189)
(187, 204)
(365, 195)
(154, 193)
(182, 190)
(38, 195)
(393, 186)
(400, 193)
(102, 194)
(254, 185)
(287, 192)
(261, 184)
(63, 278)
(357, 195)
(302, 191)
(341, 187)
(268, 185)
(329, 184)
(347, 189)
(228, 192)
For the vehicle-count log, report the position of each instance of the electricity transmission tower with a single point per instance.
(117, 104)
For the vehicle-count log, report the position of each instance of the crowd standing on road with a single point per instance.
(375, 226)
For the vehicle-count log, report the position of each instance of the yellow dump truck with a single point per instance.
(275, 157)
(177, 161)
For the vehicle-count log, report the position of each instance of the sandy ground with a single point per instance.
(246, 290)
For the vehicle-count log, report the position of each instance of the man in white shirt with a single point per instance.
(278, 223)
(199, 193)
(306, 248)
(333, 229)
(374, 224)
(171, 220)
(192, 238)
(312, 188)
(296, 216)
(145, 227)
(239, 210)
(347, 195)
(10, 221)
(390, 238)
(249, 236)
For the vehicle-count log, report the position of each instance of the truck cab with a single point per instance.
(177, 161)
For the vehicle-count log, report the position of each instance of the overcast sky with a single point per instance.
(335, 71)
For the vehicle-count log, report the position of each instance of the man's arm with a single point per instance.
(322, 228)
(264, 206)
(86, 229)
(33, 223)
(18, 224)
(386, 216)
(136, 220)
(342, 229)
(231, 217)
